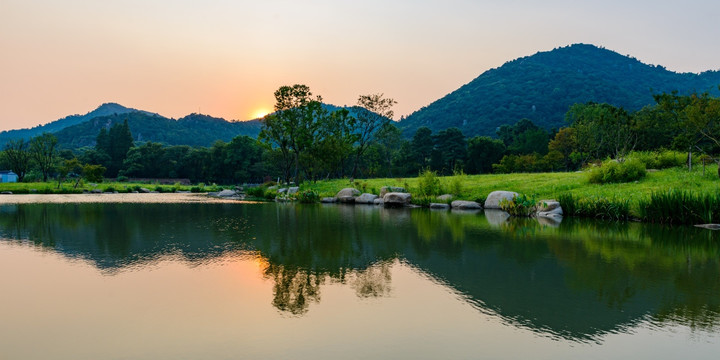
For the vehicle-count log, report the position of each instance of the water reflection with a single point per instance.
(576, 280)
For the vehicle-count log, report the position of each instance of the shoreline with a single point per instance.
(126, 198)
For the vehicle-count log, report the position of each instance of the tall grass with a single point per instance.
(680, 207)
(595, 207)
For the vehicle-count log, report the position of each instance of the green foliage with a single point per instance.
(195, 189)
(257, 191)
(521, 205)
(455, 183)
(659, 159)
(612, 171)
(308, 196)
(428, 183)
(482, 153)
(93, 173)
(680, 207)
(109, 189)
(122, 178)
(423, 201)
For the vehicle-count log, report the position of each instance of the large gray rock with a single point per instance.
(328, 200)
(365, 198)
(388, 189)
(493, 200)
(378, 201)
(144, 190)
(548, 205)
(465, 205)
(347, 195)
(445, 197)
(293, 190)
(396, 199)
(227, 193)
(439, 206)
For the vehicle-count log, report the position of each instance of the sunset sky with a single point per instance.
(225, 58)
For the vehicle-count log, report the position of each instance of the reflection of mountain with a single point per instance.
(578, 281)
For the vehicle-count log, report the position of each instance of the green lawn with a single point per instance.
(67, 187)
(545, 185)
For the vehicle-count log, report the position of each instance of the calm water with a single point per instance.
(236, 281)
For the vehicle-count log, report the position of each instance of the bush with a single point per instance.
(612, 171)
(455, 186)
(308, 196)
(660, 159)
(422, 200)
(109, 189)
(122, 178)
(195, 189)
(521, 205)
(159, 189)
(428, 183)
(258, 191)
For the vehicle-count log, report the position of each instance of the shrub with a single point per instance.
(159, 189)
(308, 196)
(195, 189)
(612, 171)
(422, 200)
(521, 205)
(109, 189)
(659, 159)
(258, 191)
(455, 186)
(122, 178)
(428, 183)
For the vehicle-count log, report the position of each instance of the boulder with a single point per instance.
(347, 195)
(328, 200)
(547, 205)
(365, 199)
(378, 201)
(465, 205)
(439, 206)
(396, 199)
(558, 211)
(445, 197)
(144, 190)
(293, 190)
(493, 200)
(227, 193)
(388, 189)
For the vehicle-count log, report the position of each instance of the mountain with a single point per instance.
(193, 130)
(57, 125)
(543, 86)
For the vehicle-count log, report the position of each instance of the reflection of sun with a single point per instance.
(260, 113)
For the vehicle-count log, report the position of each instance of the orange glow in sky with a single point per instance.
(226, 58)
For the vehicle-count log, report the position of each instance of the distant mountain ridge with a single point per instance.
(76, 131)
(543, 86)
(57, 125)
(192, 130)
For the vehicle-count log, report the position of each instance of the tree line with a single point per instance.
(305, 140)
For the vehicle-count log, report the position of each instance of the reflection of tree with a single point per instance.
(373, 281)
(294, 288)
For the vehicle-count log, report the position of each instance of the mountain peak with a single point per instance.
(543, 86)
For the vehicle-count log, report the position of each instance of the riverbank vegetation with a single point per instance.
(607, 162)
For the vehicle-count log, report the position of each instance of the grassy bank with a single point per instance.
(613, 201)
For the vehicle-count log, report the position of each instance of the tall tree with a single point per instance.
(18, 157)
(452, 147)
(294, 125)
(373, 111)
(43, 151)
(483, 151)
(422, 145)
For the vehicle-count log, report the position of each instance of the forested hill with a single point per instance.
(57, 125)
(543, 86)
(193, 130)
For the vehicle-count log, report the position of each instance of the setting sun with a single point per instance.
(259, 113)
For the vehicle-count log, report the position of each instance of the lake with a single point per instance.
(207, 279)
